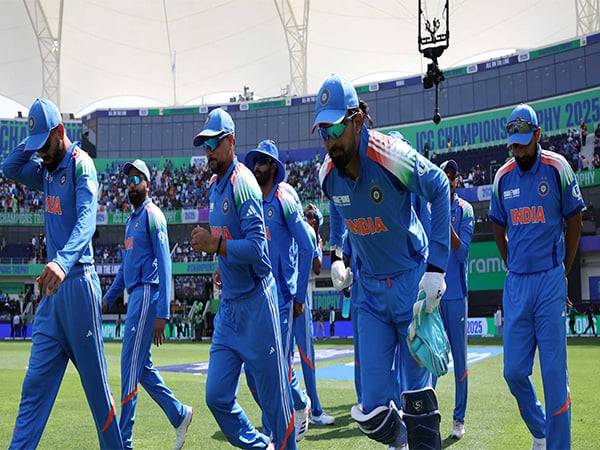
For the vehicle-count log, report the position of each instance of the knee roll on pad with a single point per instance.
(422, 418)
(383, 424)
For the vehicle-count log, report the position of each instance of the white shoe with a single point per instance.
(182, 429)
(301, 421)
(538, 444)
(458, 429)
(402, 447)
(323, 419)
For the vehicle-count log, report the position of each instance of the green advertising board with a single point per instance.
(486, 268)
(487, 128)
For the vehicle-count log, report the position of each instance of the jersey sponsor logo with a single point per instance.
(221, 231)
(341, 200)
(53, 205)
(543, 188)
(512, 193)
(376, 194)
(527, 215)
(364, 226)
(129, 243)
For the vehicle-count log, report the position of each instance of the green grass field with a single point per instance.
(492, 419)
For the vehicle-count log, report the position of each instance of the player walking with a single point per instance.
(534, 195)
(247, 324)
(68, 320)
(146, 274)
(368, 178)
(454, 307)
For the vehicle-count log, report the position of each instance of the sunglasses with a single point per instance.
(134, 179)
(336, 130)
(210, 145)
(262, 160)
(520, 126)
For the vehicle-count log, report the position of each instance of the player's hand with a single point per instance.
(434, 286)
(298, 309)
(203, 241)
(341, 276)
(159, 331)
(104, 307)
(50, 279)
(217, 277)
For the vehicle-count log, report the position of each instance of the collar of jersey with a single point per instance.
(141, 207)
(223, 181)
(269, 198)
(536, 164)
(65, 161)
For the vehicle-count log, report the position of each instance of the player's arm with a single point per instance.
(497, 215)
(86, 203)
(336, 232)
(116, 289)
(318, 255)
(572, 234)
(160, 244)
(299, 231)
(461, 241)
(24, 167)
(500, 237)
(429, 181)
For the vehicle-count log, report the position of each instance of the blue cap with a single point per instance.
(449, 166)
(44, 116)
(139, 165)
(267, 148)
(217, 122)
(526, 114)
(335, 98)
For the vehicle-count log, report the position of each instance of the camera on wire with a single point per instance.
(434, 76)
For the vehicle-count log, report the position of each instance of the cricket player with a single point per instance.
(68, 320)
(368, 178)
(247, 325)
(303, 324)
(535, 195)
(454, 307)
(146, 274)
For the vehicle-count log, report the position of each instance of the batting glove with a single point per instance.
(434, 286)
(341, 276)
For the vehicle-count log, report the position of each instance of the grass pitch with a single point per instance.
(492, 420)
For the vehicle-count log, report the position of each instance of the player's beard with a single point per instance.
(526, 162)
(136, 198)
(339, 157)
(262, 176)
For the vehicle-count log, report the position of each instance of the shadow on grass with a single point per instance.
(344, 426)
(219, 436)
(448, 442)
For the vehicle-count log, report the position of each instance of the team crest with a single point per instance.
(543, 188)
(31, 123)
(225, 207)
(63, 179)
(270, 212)
(324, 97)
(376, 194)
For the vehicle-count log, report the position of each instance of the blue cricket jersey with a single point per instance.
(462, 218)
(377, 208)
(532, 206)
(70, 201)
(290, 247)
(236, 213)
(146, 257)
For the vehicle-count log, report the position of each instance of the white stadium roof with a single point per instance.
(112, 48)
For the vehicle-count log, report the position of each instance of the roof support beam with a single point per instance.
(296, 36)
(587, 16)
(49, 46)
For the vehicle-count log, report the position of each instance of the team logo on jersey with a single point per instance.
(270, 212)
(324, 97)
(63, 179)
(543, 188)
(376, 194)
(225, 207)
(31, 123)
